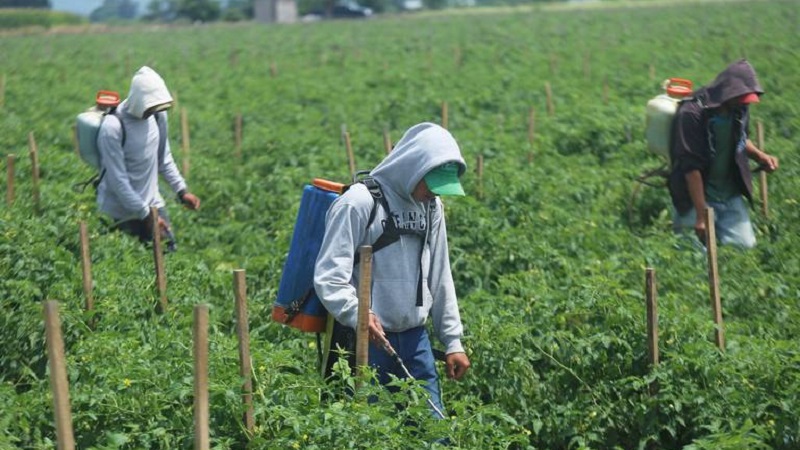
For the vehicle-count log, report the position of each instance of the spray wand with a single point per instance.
(387, 347)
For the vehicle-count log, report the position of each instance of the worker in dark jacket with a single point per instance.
(709, 153)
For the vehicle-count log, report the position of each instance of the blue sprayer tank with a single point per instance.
(297, 305)
(660, 112)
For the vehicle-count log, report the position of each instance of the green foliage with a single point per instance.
(18, 18)
(548, 267)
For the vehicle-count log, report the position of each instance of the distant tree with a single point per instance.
(25, 4)
(160, 10)
(198, 10)
(114, 9)
(239, 10)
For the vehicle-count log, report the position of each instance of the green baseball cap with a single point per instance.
(443, 180)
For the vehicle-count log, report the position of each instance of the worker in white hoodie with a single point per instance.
(411, 277)
(134, 149)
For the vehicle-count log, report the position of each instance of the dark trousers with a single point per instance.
(142, 230)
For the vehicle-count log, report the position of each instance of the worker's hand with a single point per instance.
(457, 365)
(700, 229)
(162, 224)
(376, 334)
(767, 162)
(191, 201)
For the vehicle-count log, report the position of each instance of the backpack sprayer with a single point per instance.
(387, 347)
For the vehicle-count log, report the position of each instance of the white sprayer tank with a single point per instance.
(88, 124)
(660, 111)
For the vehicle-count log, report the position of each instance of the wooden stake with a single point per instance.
(3, 91)
(58, 376)
(458, 57)
(200, 333)
(387, 141)
(86, 267)
(185, 141)
(273, 69)
(550, 108)
(245, 365)
(75, 141)
(364, 300)
(158, 258)
(237, 135)
(553, 65)
(9, 180)
(652, 72)
(762, 176)
(605, 90)
(34, 153)
(444, 114)
(350, 158)
(652, 316)
(713, 279)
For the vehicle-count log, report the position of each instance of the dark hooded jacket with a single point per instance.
(692, 144)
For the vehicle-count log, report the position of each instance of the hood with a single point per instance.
(147, 90)
(422, 148)
(736, 80)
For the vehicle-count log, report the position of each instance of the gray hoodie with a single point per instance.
(396, 268)
(130, 184)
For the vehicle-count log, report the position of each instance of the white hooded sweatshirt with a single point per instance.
(130, 184)
(396, 268)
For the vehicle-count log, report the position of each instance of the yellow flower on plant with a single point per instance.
(126, 382)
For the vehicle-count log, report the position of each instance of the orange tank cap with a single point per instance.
(327, 185)
(107, 99)
(679, 87)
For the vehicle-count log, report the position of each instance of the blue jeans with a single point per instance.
(731, 222)
(414, 348)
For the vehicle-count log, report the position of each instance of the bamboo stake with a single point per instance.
(200, 333)
(364, 300)
(444, 114)
(237, 135)
(185, 145)
(243, 332)
(605, 90)
(3, 91)
(713, 279)
(458, 58)
(9, 180)
(387, 141)
(350, 158)
(86, 267)
(158, 258)
(652, 316)
(762, 176)
(550, 108)
(34, 153)
(58, 376)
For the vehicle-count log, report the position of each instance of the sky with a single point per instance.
(83, 7)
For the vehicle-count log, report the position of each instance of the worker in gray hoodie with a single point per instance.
(411, 278)
(134, 148)
(709, 152)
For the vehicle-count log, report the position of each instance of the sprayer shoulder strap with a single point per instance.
(162, 140)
